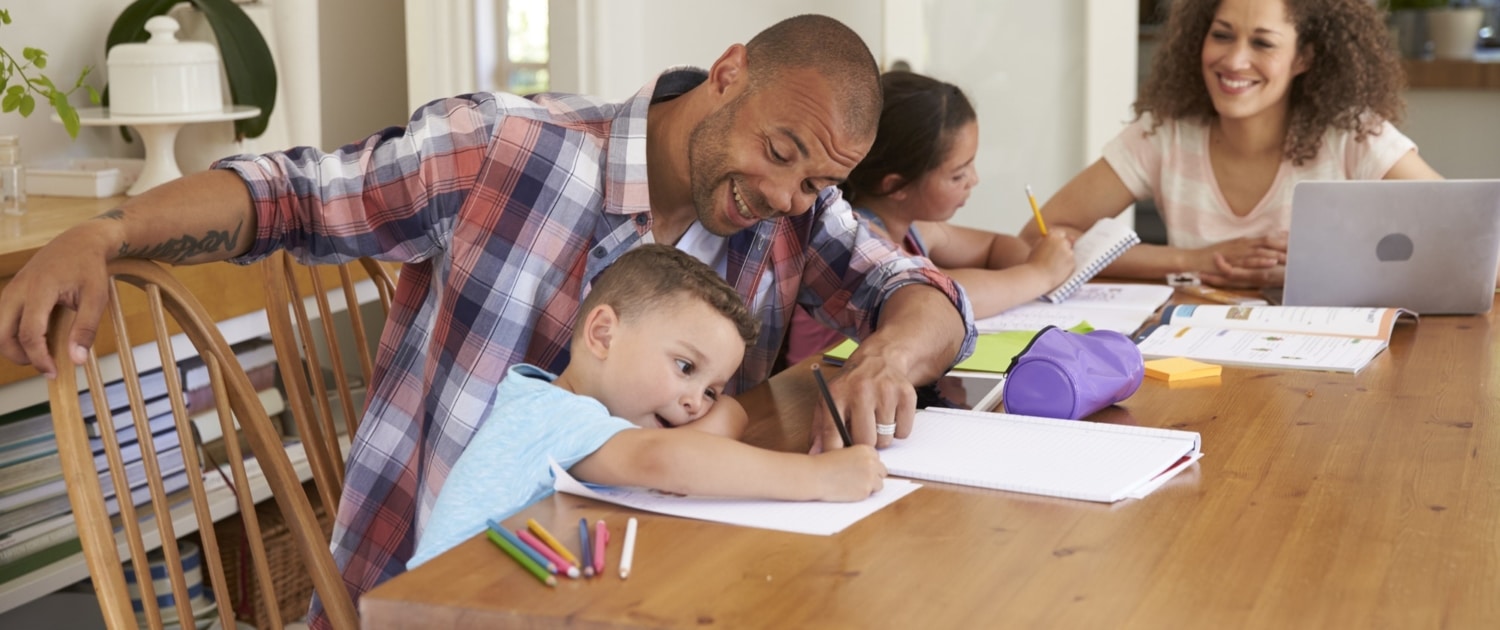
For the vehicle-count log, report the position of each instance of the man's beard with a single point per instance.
(707, 166)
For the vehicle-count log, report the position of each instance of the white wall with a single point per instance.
(363, 68)
(610, 48)
(72, 33)
(1456, 131)
(362, 78)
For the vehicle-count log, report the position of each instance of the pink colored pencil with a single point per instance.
(601, 540)
(563, 566)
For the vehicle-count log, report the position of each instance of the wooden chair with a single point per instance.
(300, 354)
(171, 308)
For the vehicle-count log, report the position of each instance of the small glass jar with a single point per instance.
(12, 177)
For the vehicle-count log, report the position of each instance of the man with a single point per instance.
(505, 208)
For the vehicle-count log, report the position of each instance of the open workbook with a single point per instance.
(1072, 459)
(1328, 338)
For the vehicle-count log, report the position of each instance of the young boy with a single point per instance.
(654, 344)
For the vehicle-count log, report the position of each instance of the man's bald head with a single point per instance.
(835, 51)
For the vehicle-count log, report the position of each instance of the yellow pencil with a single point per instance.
(1036, 211)
(546, 536)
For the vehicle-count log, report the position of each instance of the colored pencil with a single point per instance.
(521, 557)
(601, 542)
(627, 553)
(584, 547)
(563, 566)
(547, 537)
(525, 548)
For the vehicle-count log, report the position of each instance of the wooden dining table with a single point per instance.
(1323, 500)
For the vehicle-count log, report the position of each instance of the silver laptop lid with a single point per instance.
(1428, 246)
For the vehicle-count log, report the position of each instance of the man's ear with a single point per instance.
(730, 74)
(599, 330)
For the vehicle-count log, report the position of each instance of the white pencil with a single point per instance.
(628, 553)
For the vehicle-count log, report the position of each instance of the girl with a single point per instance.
(916, 175)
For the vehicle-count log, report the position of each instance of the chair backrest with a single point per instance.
(171, 514)
(304, 338)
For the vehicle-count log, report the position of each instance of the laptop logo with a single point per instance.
(1394, 248)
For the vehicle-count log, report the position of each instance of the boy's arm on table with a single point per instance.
(199, 218)
(695, 463)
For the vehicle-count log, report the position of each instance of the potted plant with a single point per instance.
(247, 59)
(22, 83)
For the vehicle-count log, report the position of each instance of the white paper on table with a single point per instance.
(803, 517)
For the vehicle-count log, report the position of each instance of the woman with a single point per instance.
(1245, 99)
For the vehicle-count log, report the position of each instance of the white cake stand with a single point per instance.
(159, 134)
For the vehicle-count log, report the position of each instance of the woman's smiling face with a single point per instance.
(1250, 57)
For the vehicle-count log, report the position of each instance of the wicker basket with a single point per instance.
(291, 580)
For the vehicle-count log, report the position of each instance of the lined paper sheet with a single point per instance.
(801, 517)
(1062, 458)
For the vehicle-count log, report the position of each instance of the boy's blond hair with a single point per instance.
(652, 276)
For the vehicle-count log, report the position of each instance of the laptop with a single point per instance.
(1426, 246)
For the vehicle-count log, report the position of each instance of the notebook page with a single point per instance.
(801, 517)
(1062, 458)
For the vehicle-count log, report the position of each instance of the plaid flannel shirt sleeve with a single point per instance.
(392, 196)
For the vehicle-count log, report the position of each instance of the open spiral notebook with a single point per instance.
(1092, 252)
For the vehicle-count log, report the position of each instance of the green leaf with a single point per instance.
(11, 101)
(30, 53)
(4, 16)
(247, 62)
(44, 82)
(16, 90)
(93, 94)
(66, 112)
(81, 76)
(41, 60)
(28, 103)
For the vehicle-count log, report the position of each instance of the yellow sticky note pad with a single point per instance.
(1180, 369)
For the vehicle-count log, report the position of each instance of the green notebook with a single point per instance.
(993, 352)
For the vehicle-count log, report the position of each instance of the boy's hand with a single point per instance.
(1053, 255)
(849, 474)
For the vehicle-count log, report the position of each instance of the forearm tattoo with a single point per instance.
(116, 214)
(186, 246)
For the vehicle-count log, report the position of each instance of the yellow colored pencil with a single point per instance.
(1036, 211)
(547, 537)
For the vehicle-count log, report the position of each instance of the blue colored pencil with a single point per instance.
(538, 558)
(583, 541)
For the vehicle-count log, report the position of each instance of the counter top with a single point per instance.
(1480, 73)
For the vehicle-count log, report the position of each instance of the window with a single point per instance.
(515, 53)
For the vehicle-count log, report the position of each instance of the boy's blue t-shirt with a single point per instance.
(504, 468)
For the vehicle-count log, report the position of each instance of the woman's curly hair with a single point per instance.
(1354, 82)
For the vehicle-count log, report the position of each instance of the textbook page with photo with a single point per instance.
(1327, 338)
(1102, 305)
(1092, 252)
(1071, 459)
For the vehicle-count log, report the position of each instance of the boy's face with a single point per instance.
(666, 366)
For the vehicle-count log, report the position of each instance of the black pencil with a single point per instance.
(832, 408)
